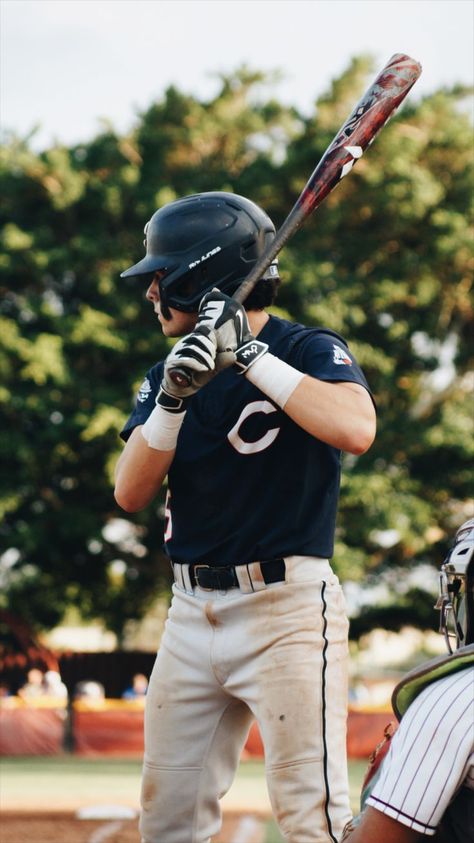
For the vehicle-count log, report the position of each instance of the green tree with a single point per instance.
(387, 261)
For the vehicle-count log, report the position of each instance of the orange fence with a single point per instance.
(115, 728)
(31, 731)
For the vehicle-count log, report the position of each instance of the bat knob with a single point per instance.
(180, 377)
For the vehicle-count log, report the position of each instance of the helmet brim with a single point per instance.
(148, 264)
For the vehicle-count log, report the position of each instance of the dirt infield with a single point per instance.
(66, 828)
(40, 799)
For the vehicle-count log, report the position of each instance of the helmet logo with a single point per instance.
(205, 257)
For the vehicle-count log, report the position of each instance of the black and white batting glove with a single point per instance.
(196, 353)
(195, 356)
(228, 320)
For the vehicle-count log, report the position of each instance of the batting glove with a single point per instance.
(196, 353)
(228, 321)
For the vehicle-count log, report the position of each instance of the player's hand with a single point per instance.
(196, 352)
(228, 320)
(226, 317)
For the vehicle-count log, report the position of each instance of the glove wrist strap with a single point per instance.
(248, 353)
(274, 377)
(171, 403)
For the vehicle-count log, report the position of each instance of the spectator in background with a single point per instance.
(34, 686)
(4, 690)
(137, 689)
(88, 689)
(6, 696)
(53, 685)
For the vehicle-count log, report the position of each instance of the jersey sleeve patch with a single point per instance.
(322, 356)
(340, 356)
(145, 400)
(144, 391)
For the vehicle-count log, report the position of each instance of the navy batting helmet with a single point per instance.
(203, 241)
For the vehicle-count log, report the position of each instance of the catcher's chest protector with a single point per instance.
(416, 680)
(457, 825)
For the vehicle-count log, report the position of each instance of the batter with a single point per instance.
(251, 446)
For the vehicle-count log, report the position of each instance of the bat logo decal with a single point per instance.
(357, 116)
(356, 152)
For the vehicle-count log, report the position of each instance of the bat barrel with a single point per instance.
(370, 114)
(367, 118)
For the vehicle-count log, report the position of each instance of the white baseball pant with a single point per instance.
(279, 655)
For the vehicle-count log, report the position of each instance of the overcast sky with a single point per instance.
(65, 64)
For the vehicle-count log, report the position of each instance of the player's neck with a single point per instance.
(257, 319)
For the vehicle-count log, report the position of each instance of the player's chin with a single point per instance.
(179, 324)
(166, 324)
(171, 328)
(166, 327)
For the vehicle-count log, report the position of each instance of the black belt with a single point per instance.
(225, 577)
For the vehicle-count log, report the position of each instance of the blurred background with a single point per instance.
(111, 109)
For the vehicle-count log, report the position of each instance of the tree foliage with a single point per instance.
(387, 261)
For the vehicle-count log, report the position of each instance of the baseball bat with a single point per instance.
(370, 114)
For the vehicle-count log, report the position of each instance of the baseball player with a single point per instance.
(424, 787)
(251, 447)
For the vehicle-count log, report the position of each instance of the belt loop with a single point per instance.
(243, 576)
(256, 576)
(181, 576)
(185, 573)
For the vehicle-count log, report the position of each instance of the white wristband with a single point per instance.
(274, 377)
(161, 429)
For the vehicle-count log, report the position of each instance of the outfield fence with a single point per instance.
(113, 727)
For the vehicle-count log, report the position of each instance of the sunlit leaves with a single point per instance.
(387, 261)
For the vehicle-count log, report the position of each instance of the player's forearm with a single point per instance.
(341, 414)
(140, 473)
(338, 413)
(376, 827)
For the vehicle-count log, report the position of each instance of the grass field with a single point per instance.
(68, 783)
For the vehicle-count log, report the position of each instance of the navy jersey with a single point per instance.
(246, 482)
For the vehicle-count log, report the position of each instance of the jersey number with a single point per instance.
(240, 444)
(168, 521)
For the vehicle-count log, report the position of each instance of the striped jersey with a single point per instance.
(431, 756)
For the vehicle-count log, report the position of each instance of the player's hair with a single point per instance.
(263, 294)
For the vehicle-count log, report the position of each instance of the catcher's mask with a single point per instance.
(203, 241)
(456, 590)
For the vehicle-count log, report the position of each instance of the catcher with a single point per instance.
(424, 785)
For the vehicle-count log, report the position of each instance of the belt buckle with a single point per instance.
(204, 587)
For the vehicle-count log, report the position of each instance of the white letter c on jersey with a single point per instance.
(253, 447)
